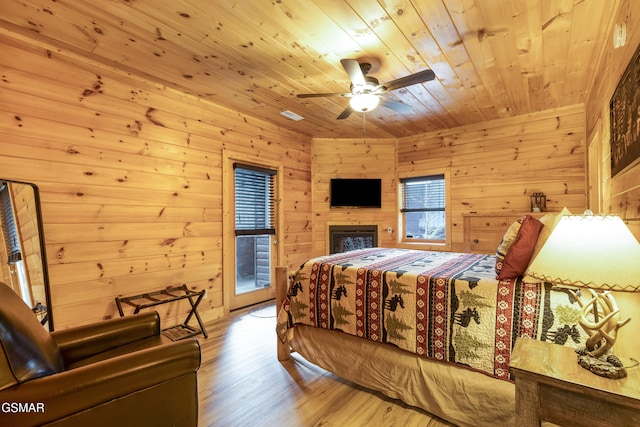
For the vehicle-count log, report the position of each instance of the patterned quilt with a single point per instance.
(440, 305)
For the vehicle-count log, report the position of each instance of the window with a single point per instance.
(423, 209)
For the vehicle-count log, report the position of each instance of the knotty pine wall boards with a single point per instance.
(130, 179)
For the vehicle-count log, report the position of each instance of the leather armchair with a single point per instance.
(117, 372)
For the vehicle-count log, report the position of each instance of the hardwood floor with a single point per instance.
(242, 383)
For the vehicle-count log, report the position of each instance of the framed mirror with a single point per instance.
(23, 261)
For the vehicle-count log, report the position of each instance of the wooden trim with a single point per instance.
(284, 351)
(594, 162)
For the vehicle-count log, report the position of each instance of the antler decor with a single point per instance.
(602, 331)
(597, 253)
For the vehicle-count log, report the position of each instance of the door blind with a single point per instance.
(254, 200)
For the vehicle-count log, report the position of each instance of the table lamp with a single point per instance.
(597, 252)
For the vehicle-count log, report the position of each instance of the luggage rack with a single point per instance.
(174, 293)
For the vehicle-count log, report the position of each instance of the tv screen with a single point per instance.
(356, 193)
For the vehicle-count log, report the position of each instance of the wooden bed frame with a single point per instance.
(282, 285)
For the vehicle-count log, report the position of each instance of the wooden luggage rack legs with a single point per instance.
(165, 296)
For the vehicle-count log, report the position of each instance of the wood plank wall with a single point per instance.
(130, 173)
(353, 158)
(619, 194)
(496, 165)
(131, 180)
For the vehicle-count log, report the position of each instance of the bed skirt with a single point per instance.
(453, 393)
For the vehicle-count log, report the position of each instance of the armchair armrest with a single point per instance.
(86, 387)
(85, 341)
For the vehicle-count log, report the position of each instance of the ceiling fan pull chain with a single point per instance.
(364, 127)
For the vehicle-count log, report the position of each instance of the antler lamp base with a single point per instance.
(603, 332)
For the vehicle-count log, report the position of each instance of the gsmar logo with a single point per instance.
(21, 407)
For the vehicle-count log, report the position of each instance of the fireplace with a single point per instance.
(343, 238)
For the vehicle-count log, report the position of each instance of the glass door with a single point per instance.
(255, 230)
(253, 263)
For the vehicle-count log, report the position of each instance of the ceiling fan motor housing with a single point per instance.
(371, 85)
(365, 67)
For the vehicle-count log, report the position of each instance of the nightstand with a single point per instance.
(551, 386)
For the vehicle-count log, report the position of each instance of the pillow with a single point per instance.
(549, 221)
(519, 254)
(514, 253)
(507, 240)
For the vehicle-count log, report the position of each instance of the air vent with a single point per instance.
(291, 115)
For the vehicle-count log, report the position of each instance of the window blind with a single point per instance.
(423, 194)
(254, 200)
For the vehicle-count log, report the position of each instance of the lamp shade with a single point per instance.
(364, 102)
(595, 251)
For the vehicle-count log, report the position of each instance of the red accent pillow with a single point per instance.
(519, 254)
(506, 242)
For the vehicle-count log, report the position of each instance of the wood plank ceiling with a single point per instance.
(492, 58)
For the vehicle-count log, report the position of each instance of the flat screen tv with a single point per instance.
(356, 193)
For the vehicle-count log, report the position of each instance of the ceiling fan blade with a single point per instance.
(346, 113)
(412, 79)
(352, 67)
(321, 95)
(396, 106)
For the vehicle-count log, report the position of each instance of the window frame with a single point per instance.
(430, 244)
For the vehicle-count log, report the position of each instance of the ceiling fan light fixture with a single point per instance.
(366, 92)
(364, 102)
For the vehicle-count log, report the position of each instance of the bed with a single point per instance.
(433, 329)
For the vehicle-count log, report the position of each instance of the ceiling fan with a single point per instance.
(366, 91)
